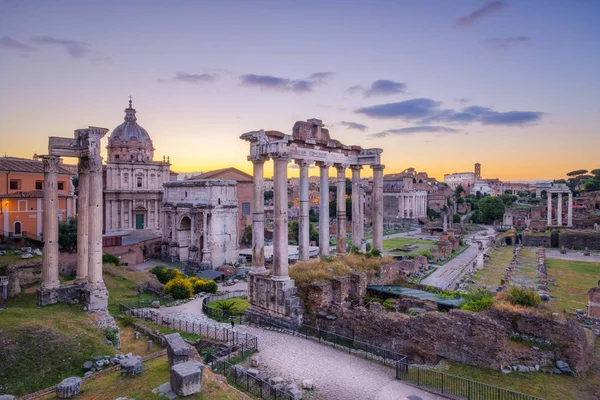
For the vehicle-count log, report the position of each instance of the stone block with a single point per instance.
(131, 365)
(69, 387)
(177, 349)
(186, 378)
(276, 380)
(254, 362)
(308, 384)
(252, 372)
(7, 396)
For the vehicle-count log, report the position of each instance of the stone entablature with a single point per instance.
(200, 222)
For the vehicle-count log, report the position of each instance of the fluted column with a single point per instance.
(559, 210)
(323, 208)
(549, 208)
(131, 222)
(50, 229)
(570, 210)
(194, 223)
(357, 223)
(304, 225)
(206, 259)
(83, 221)
(95, 279)
(280, 210)
(378, 206)
(341, 209)
(258, 219)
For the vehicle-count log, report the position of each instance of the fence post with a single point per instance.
(442, 383)
(469, 390)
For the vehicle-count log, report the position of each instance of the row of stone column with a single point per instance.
(89, 226)
(412, 205)
(559, 221)
(120, 208)
(280, 210)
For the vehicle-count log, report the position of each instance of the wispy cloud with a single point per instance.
(275, 83)
(506, 43)
(440, 130)
(354, 125)
(74, 48)
(191, 78)
(482, 12)
(8, 43)
(356, 89)
(462, 100)
(428, 111)
(384, 87)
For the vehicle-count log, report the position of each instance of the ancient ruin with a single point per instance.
(559, 189)
(86, 147)
(274, 296)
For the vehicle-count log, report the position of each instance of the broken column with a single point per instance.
(177, 349)
(258, 218)
(186, 378)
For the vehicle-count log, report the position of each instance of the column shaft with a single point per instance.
(280, 210)
(95, 279)
(378, 207)
(570, 210)
(324, 209)
(83, 222)
(357, 235)
(559, 210)
(50, 229)
(258, 219)
(549, 209)
(304, 223)
(206, 259)
(341, 209)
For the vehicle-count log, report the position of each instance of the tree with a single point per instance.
(294, 232)
(508, 199)
(247, 235)
(491, 208)
(456, 219)
(577, 172)
(459, 189)
(333, 209)
(595, 172)
(268, 195)
(591, 184)
(67, 234)
(432, 214)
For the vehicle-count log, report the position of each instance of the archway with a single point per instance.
(18, 231)
(184, 237)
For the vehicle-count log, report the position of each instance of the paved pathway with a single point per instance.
(573, 255)
(449, 272)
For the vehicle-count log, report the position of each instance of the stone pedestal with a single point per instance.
(131, 365)
(69, 387)
(96, 299)
(46, 297)
(273, 303)
(186, 378)
(177, 349)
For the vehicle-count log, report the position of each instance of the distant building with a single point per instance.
(133, 181)
(22, 196)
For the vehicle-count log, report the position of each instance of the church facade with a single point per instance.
(133, 181)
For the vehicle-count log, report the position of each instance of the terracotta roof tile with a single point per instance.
(22, 165)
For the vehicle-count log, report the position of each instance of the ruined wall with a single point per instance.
(22, 276)
(579, 240)
(535, 240)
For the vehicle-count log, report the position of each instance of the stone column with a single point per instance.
(357, 234)
(194, 223)
(549, 209)
(206, 259)
(50, 230)
(95, 279)
(570, 210)
(156, 224)
(83, 221)
(131, 222)
(258, 219)
(323, 209)
(122, 213)
(378, 206)
(304, 225)
(559, 210)
(173, 224)
(280, 211)
(341, 209)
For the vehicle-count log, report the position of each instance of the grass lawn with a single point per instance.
(549, 387)
(11, 259)
(155, 372)
(574, 279)
(238, 304)
(494, 270)
(421, 245)
(42, 346)
(121, 283)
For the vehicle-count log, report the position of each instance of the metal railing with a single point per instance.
(224, 315)
(254, 385)
(455, 385)
(245, 341)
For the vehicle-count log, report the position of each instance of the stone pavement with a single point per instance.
(449, 272)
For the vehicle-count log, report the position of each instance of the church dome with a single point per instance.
(129, 141)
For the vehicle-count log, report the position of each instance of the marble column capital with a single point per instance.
(340, 167)
(281, 157)
(323, 164)
(51, 163)
(260, 159)
(83, 165)
(378, 166)
(356, 167)
(303, 163)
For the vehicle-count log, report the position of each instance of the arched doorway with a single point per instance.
(18, 231)
(184, 237)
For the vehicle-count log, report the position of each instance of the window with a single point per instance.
(116, 156)
(245, 208)
(14, 185)
(139, 181)
(39, 185)
(61, 186)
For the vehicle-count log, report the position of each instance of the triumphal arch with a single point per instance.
(85, 146)
(272, 295)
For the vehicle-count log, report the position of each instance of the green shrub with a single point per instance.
(369, 247)
(387, 304)
(523, 297)
(204, 285)
(128, 320)
(110, 259)
(164, 274)
(179, 288)
(426, 254)
(477, 300)
(354, 250)
(111, 334)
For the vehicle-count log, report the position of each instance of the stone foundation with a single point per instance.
(63, 294)
(274, 302)
(96, 299)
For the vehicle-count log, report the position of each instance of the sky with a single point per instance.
(438, 85)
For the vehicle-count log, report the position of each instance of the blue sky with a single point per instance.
(438, 85)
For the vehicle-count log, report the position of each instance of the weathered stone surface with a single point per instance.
(155, 304)
(564, 367)
(276, 380)
(177, 349)
(87, 365)
(254, 361)
(252, 371)
(186, 378)
(7, 397)
(69, 387)
(131, 365)
(307, 384)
